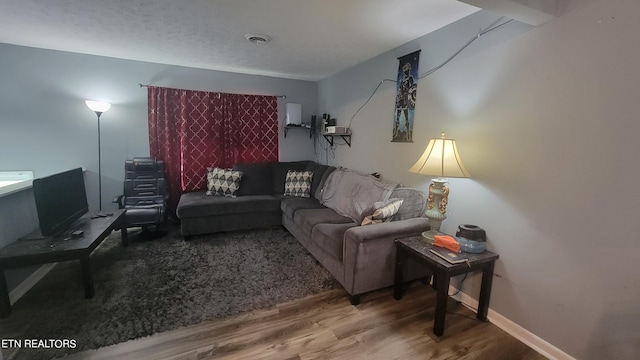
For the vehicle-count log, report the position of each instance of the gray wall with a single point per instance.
(46, 127)
(17, 218)
(546, 121)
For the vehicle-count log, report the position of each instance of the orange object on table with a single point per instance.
(446, 241)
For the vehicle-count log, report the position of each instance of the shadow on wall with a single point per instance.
(611, 338)
(553, 7)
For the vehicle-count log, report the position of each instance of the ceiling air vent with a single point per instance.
(257, 38)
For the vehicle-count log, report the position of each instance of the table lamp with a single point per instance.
(441, 159)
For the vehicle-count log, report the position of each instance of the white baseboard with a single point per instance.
(536, 343)
(29, 282)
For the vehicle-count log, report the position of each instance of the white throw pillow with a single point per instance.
(383, 211)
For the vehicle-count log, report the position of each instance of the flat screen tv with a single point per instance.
(61, 199)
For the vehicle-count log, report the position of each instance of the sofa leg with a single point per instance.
(354, 299)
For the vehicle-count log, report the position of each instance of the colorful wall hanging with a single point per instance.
(406, 92)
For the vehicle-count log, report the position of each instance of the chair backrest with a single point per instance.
(144, 176)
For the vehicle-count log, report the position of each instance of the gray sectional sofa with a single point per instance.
(326, 223)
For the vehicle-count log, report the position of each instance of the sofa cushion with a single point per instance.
(198, 204)
(223, 182)
(330, 237)
(290, 205)
(298, 183)
(317, 193)
(256, 179)
(381, 211)
(414, 204)
(279, 172)
(318, 171)
(350, 193)
(306, 219)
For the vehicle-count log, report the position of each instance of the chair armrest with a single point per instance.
(118, 200)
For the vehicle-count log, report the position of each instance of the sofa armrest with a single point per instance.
(392, 230)
(369, 253)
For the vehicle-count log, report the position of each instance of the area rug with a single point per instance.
(159, 285)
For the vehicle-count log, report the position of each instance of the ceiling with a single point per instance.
(311, 39)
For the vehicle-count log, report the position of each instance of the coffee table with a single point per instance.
(56, 249)
(417, 248)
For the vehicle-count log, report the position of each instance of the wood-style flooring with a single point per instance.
(327, 326)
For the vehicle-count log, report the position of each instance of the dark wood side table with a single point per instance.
(56, 249)
(417, 248)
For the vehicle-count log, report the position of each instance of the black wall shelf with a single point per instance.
(311, 130)
(330, 137)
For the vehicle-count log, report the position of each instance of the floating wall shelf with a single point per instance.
(311, 130)
(345, 137)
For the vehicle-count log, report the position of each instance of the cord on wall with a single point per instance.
(487, 29)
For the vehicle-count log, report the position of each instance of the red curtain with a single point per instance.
(192, 130)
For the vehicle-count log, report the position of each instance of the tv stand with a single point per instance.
(60, 248)
(101, 214)
(37, 234)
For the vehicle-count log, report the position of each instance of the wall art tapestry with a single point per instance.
(406, 92)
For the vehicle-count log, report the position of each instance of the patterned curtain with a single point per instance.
(192, 130)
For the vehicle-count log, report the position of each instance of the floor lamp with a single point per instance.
(99, 107)
(441, 159)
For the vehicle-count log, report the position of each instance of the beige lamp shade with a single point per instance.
(441, 159)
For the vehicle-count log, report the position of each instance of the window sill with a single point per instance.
(14, 181)
(11, 187)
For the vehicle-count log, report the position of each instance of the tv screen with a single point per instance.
(61, 199)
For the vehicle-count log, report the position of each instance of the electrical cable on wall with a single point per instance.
(487, 29)
(329, 150)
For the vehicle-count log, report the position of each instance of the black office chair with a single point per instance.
(144, 196)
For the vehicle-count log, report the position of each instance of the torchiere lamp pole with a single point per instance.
(99, 107)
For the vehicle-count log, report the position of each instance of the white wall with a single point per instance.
(546, 121)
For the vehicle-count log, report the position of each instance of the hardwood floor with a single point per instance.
(327, 326)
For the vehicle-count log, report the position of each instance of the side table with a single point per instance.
(417, 248)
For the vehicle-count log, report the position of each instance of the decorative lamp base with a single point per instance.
(436, 207)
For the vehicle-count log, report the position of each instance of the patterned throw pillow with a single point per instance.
(223, 182)
(383, 211)
(298, 183)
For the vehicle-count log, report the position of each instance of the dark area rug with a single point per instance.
(159, 285)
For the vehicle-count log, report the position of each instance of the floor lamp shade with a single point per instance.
(98, 107)
(441, 159)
